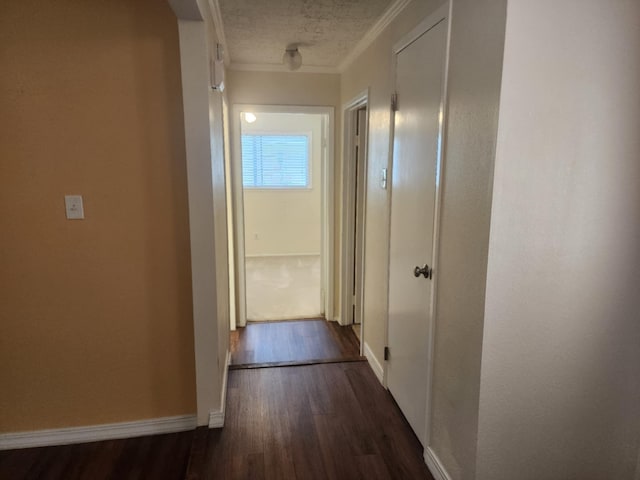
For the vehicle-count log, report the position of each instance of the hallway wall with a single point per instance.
(475, 66)
(473, 99)
(96, 314)
(372, 69)
(560, 391)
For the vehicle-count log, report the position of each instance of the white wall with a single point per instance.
(560, 390)
(207, 217)
(477, 35)
(285, 221)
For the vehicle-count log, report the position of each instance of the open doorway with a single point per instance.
(283, 202)
(281, 159)
(282, 172)
(355, 115)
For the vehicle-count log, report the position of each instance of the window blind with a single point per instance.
(275, 161)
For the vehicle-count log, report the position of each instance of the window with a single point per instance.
(275, 161)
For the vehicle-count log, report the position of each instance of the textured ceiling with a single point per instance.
(257, 31)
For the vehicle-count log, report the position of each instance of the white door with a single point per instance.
(419, 82)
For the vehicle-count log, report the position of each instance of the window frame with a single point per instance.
(278, 133)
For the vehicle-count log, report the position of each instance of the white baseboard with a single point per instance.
(282, 255)
(216, 417)
(435, 465)
(374, 363)
(94, 433)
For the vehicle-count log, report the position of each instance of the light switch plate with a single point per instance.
(73, 207)
(383, 179)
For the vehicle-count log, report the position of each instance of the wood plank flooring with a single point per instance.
(293, 342)
(153, 457)
(326, 421)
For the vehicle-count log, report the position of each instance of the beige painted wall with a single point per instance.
(477, 45)
(285, 221)
(310, 89)
(372, 69)
(96, 318)
(560, 391)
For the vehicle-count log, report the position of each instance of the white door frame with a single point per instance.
(327, 202)
(349, 203)
(442, 14)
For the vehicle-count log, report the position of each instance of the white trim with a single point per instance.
(216, 417)
(94, 433)
(198, 103)
(278, 255)
(444, 10)
(374, 363)
(277, 67)
(328, 209)
(349, 203)
(218, 25)
(423, 27)
(327, 200)
(435, 465)
(383, 22)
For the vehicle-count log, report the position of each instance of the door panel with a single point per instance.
(419, 77)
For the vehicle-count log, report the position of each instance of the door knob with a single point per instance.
(426, 271)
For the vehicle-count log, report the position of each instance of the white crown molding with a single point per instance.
(216, 418)
(94, 433)
(374, 363)
(383, 22)
(435, 465)
(271, 67)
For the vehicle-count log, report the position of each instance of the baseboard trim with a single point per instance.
(216, 417)
(94, 433)
(374, 363)
(435, 465)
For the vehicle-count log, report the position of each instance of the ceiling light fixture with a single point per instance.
(292, 58)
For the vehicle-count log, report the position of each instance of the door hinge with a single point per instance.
(394, 102)
(353, 300)
(386, 353)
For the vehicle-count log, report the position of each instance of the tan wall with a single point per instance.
(373, 70)
(310, 89)
(560, 391)
(286, 221)
(96, 316)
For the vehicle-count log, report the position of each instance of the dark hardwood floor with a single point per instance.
(296, 342)
(328, 420)
(325, 421)
(164, 457)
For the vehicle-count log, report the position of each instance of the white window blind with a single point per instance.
(275, 161)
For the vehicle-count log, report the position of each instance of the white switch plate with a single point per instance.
(73, 206)
(383, 178)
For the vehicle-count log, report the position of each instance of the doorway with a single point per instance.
(355, 117)
(282, 177)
